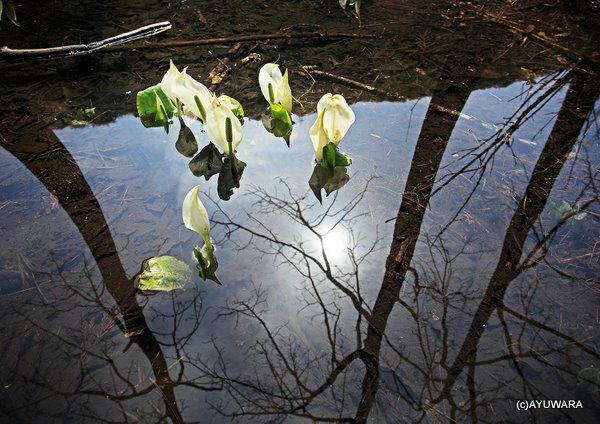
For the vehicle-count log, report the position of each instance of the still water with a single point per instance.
(453, 274)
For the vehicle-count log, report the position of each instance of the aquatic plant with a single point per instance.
(223, 127)
(275, 87)
(195, 218)
(276, 90)
(179, 92)
(334, 118)
(184, 90)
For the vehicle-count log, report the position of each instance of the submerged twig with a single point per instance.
(220, 70)
(81, 49)
(540, 36)
(242, 38)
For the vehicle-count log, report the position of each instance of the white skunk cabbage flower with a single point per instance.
(168, 80)
(280, 91)
(223, 128)
(195, 216)
(179, 86)
(334, 118)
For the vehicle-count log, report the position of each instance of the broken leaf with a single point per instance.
(165, 273)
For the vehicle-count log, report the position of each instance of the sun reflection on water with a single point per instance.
(336, 244)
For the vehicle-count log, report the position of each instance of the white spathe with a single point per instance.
(195, 216)
(282, 93)
(318, 137)
(168, 80)
(334, 118)
(180, 86)
(216, 127)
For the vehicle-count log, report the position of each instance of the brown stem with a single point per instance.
(241, 38)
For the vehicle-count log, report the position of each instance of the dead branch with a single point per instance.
(241, 38)
(81, 49)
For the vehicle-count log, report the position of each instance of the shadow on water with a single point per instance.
(440, 281)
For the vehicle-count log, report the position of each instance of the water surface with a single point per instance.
(444, 282)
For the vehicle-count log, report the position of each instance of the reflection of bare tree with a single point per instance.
(338, 378)
(48, 159)
(435, 133)
(475, 161)
(297, 376)
(577, 105)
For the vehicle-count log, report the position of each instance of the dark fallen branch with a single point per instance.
(81, 49)
(241, 38)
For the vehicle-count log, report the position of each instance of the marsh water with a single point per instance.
(450, 273)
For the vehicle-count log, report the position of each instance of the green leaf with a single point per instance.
(342, 159)
(80, 123)
(277, 127)
(282, 129)
(83, 117)
(332, 157)
(207, 263)
(566, 211)
(207, 163)
(329, 155)
(85, 114)
(233, 105)
(278, 112)
(154, 107)
(330, 179)
(165, 273)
